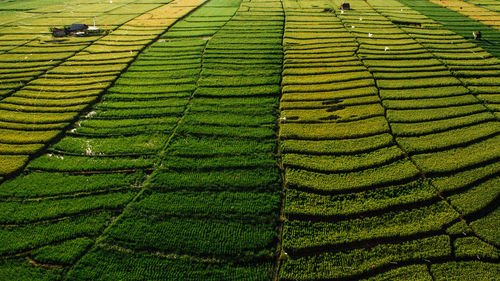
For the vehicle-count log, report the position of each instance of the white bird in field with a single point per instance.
(370, 35)
(386, 49)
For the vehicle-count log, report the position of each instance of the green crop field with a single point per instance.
(252, 140)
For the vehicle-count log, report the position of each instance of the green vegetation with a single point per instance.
(486, 227)
(21, 238)
(106, 264)
(392, 225)
(253, 140)
(465, 271)
(411, 272)
(65, 253)
(475, 248)
(46, 184)
(353, 262)
(304, 204)
(26, 212)
(19, 269)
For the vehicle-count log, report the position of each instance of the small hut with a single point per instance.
(345, 6)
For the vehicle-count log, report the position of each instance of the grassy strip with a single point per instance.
(36, 117)
(228, 119)
(32, 236)
(10, 163)
(329, 95)
(258, 179)
(214, 205)
(124, 131)
(345, 264)
(139, 113)
(214, 162)
(432, 127)
(455, 159)
(429, 103)
(472, 247)
(365, 82)
(193, 236)
(111, 146)
(401, 171)
(264, 90)
(449, 139)
(53, 162)
(343, 164)
(113, 104)
(354, 129)
(47, 102)
(263, 132)
(487, 227)
(203, 147)
(28, 212)
(99, 262)
(417, 82)
(411, 272)
(336, 113)
(418, 93)
(303, 204)
(6, 107)
(124, 123)
(46, 184)
(25, 149)
(429, 114)
(338, 147)
(299, 235)
(65, 253)
(465, 271)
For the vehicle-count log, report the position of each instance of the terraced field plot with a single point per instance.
(250, 140)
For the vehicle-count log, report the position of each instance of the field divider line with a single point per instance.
(280, 251)
(44, 265)
(421, 172)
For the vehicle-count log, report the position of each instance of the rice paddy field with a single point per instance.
(250, 140)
